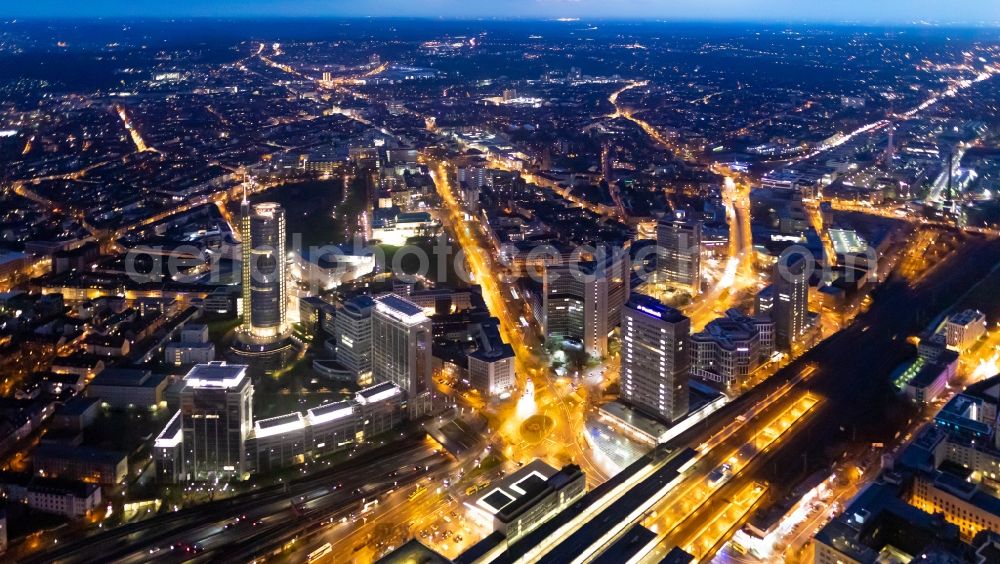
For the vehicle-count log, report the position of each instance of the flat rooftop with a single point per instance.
(634, 542)
(378, 392)
(170, 436)
(526, 480)
(412, 552)
(70, 452)
(330, 411)
(630, 417)
(127, 378)
(966, 317)
(217, 374)
(400, 304)
(514, 552)
(77, 406)
(654, 308)
(616, 513)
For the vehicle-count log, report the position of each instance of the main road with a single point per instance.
(254, 519)
(551, 404)
(738, 274)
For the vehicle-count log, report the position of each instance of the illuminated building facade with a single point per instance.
(521, 501)
(200, 440)
(968, 505)
(730, 349)
(401, 348)
(791, 300)
(655, 358)
(963, 329)
(879, 527)
(281, 441)
(678, 254)
(491, 365)
(584, 301)
(262, 228)
(353, 337)
(216, 407)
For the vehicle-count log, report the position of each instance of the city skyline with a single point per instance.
(922, 12)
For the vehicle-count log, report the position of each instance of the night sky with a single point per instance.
(834, 11)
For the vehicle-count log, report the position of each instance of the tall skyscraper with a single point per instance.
(678, 256)
(216, 416)
(401, 347)
(584, 301)
(655, 358)
(353, 337)
(262, 228)
(791, 299)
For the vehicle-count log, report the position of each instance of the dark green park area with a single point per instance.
(316, 211)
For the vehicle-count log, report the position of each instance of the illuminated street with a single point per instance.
(140, 144)
(699, 512)
(567, 419)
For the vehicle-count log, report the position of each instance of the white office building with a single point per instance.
(491, 365)
(962, 330)
(216, 407)
(181, 353)
(584, 301)
(655, 359)
(730, 349)
(285, 440)
(401, 349)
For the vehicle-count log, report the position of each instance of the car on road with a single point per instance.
(719, 475)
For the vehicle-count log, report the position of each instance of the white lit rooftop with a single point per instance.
(216, 374)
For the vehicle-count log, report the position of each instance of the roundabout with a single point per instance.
(536, 428)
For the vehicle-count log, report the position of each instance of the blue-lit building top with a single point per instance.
(654, 308)
(962, 416)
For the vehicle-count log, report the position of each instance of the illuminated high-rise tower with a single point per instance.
(655, 359)
(678, 253)
(216, 407)
(791, 300)
(262, 228)
(401, 338)
(584, 301)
